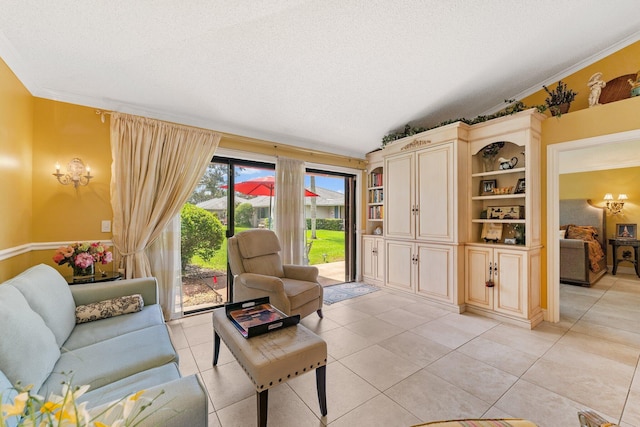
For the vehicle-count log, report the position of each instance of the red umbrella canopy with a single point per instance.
(262, 186)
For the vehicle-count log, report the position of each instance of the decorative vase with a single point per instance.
(558, 110)
(488, 163)
(83, 274)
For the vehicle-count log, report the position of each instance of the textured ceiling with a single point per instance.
(333, 75)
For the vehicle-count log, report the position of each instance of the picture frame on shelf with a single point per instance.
(626, 231)
(487, 186)
(491, 232)
(520, 187)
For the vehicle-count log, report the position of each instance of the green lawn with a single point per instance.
(329, 243)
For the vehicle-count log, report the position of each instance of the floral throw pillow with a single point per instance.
(109, 308)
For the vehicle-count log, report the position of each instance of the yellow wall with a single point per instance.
(594, 185)
(625, 61)
(584, 122)
(16, 141)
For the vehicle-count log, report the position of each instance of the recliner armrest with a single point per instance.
(308, 273)
(262, 282)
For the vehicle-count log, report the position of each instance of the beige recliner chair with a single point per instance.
(254, 258)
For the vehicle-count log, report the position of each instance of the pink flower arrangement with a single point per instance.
(83, 255)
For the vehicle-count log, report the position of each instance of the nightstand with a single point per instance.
(617, 243)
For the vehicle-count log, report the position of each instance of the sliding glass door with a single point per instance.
(235, 195)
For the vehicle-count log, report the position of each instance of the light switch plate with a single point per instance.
(106, 226)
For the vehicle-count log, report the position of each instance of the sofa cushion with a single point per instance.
(28, 348)
(85, 334)
(48, 294)
(131, 384)
(109, 308)
(114, 359)
(181, 402)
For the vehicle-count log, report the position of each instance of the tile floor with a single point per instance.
(395, 360)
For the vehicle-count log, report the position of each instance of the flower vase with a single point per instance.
(487, 163)
(83, 274)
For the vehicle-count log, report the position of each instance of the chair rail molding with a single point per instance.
(39, 246)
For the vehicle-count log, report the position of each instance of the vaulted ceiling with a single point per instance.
(333, 75)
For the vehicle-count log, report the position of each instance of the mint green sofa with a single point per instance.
(41, 344)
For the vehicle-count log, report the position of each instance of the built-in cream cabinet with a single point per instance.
(425, 181)
(462, 219)
(502, 255)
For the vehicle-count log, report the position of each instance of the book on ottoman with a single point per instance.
(258, 316)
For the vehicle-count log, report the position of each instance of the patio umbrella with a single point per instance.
(262, 186)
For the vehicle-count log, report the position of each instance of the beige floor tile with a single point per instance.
(178, 338)
(428, 311)
(199, 334)
(377, 412)
(431, 398)
(187, 363)
(612, 351)
(285, 409)
(500, 356)
(519, 339)
(227, 384)
(539, 405)
(345, 391)
(402, 318)
(343, 342)
(608, 333)
(379, 366)
(469, 322)
(345, 315)
(631, 414)
(475, 377)
(415, 348)
(374, 329)
(213, 420)
(575, 381)
(444, 333)
(318, 325)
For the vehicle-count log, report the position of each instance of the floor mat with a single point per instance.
(343, 291)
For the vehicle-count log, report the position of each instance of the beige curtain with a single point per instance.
(156, 166)
(289, 209)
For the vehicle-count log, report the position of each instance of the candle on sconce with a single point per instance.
(88, 170)
(57, 167)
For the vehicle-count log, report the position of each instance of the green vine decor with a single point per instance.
(513, 107)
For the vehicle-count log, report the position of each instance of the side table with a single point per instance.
(617, 243)
(107, 276)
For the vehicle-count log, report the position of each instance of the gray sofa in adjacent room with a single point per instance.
(41, 344)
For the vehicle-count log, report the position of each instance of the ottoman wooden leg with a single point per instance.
(216, 347)
(262, 397)
(321, 385)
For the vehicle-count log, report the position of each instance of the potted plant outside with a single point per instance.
(559, 99)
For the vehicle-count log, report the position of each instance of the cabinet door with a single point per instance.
(380, 259)
(435, 194)
(436, 272)
(399, 216)
(510, 281)
(399, 264)
(368, 257)
(477, 261)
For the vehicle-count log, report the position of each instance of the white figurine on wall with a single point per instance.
(595, 85)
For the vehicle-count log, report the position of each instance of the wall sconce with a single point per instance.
(77, 174)
(615, 207)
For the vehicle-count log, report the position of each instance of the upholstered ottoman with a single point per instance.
(273, 358)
